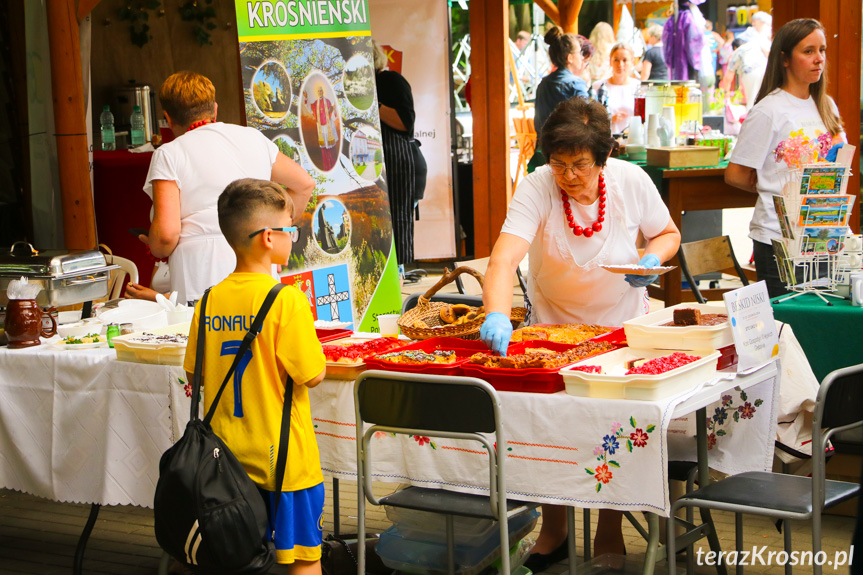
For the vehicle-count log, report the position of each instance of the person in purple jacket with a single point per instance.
(682, 40)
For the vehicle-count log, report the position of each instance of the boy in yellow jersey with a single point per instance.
(256, 218)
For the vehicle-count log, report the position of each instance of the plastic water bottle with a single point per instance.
(137, 122)
(107, 121)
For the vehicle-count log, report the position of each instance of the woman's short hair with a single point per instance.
(654, 31)
(578, 124)
(188, 97)
(560, 45)
(379, 57)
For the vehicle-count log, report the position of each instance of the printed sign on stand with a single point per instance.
(752, 326)
(309, 86)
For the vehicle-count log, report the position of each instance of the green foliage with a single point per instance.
(201, 13)
(136, 12)
(379, 155)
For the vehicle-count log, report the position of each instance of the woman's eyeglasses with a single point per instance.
(295, 232)
(580, 169)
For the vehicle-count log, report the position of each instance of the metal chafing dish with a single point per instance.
(66, 277)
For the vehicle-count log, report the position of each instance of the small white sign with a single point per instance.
(752, 326)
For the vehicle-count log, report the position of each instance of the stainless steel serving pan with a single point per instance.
(66, 277)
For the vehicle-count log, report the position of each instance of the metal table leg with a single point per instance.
(82, 541)
(704, 480)
(570, 537)
(652, 543)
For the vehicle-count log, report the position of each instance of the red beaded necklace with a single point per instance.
(597, 225)
(199, 124)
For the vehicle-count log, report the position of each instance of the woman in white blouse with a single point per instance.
(580, 211)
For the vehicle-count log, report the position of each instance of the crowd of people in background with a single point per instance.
(729, 68)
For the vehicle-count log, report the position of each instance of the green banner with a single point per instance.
(309, 86)
(259, 20)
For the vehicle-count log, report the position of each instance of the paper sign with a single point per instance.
(752, 325)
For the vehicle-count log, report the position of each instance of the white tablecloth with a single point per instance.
(81, 426)
(562, 449)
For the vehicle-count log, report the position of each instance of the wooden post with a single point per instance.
(489, 25)
(569, 10)
(79, 222)
(842, 22)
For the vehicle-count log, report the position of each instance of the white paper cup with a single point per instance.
(389, 324)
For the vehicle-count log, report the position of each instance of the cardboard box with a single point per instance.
(683, 156)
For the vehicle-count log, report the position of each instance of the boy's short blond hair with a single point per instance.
(243, 201)
(188, 97)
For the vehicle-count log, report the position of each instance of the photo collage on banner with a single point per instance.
(309, 86)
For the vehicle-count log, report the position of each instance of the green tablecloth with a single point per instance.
(831, 336)
(655, 172)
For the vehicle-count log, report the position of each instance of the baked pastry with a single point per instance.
(415, 357)
(455, 313)
(542, 358)
(353, 351)
(687, 316)
(571, 333)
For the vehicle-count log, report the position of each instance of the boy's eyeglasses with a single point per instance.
(581, 169)
(295, 232)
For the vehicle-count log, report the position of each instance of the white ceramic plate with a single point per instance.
(638, 270)
(59, 345)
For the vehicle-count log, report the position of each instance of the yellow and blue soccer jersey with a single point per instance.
(248, 417)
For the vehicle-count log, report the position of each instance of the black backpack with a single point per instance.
(209, 515)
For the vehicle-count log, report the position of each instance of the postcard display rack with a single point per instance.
(813, 213)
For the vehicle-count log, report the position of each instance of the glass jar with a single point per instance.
(640, 102)
(686, 97)
(654, 98)
(126, 328)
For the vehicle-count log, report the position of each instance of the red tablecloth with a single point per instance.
(120, 202)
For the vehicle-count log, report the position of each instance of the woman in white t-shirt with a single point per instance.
(187, 176)
(572, 216)
(617, 93)
(792, 97)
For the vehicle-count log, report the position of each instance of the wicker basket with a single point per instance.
(428, 312)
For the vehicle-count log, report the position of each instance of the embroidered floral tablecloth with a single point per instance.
(561, 449)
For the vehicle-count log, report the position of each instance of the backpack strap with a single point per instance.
(250, 336)
(199, 358)
(284, 439)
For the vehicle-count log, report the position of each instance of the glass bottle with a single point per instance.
(113, 330)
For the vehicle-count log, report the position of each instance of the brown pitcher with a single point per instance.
(24, 323)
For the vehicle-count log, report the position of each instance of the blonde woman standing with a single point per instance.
(602, 38)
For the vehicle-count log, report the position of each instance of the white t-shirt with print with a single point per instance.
(771, 121)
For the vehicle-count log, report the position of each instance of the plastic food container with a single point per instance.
(463, 349)
(614, 384)
(157, 353)
(398, 551)
(529, 380)
(332, 334)
(426, 526)
(647, 331)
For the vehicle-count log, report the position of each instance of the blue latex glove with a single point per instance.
(831, 154)
(495, 332)
(648, 261)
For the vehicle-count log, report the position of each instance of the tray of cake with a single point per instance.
(436, 355)
(642, 374)
(162, 345)
(683, 327)
(533, 365)
(346, 357)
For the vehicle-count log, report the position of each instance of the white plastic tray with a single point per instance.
(647, 331)
(158, 353)
(614, 384)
